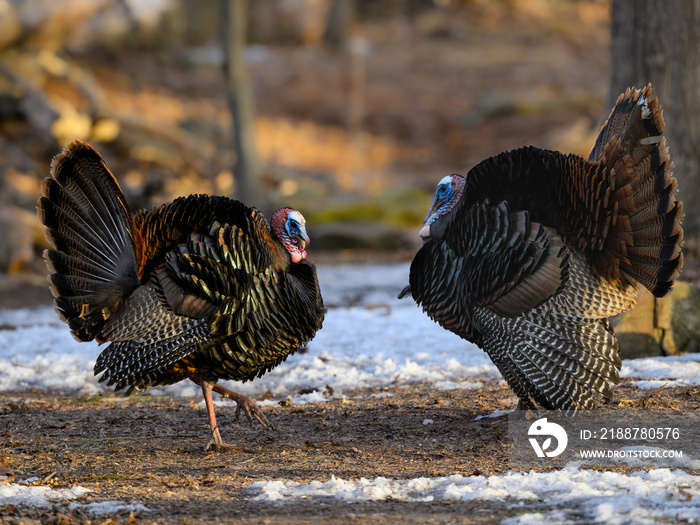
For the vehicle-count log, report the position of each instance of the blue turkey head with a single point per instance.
(447, 195)
(289, 227)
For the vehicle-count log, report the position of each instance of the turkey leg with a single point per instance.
(245, 404)
(216, 442)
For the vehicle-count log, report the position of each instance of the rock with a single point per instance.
(655, 327)
(679, 316)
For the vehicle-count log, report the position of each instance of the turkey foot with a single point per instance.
(245, 405)
(216, 443)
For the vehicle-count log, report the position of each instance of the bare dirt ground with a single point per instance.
(150, 450)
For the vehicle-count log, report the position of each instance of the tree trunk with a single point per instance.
(659, 42)
(246, 171)
(340, 19)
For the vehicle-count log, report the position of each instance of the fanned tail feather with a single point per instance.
(92, 262)
(648, 236)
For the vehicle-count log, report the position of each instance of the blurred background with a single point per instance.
(348, 110)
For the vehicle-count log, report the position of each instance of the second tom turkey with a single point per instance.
(531, 253)
(200, 288)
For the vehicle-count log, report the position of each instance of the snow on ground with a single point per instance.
(576, 495)
(369, 338)
(28, 495)
(656, 372)
(494, 414)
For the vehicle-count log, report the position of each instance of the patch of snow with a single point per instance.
(494, 414)
(380, 395)
(312, 397)
(303, 399)
(100, 508)
(40, 353)
(19, 494)
(604, 497)
(658, 383)
(30, 317)
(266, 402)
(24, 494)
(366, 285)
(676, 370)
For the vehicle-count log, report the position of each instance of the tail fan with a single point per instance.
(647, 233)
(92, 263)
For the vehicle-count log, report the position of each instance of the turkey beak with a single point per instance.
(435, 206)
(303, 240)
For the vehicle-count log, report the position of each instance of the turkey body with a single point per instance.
(200, 288)
(531, 253)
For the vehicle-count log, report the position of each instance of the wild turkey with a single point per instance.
(530, 253)
(200, 288)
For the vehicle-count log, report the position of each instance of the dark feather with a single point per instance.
(543, 247)
(196, 288)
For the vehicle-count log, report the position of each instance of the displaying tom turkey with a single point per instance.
(200, 288)
(531, 253)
